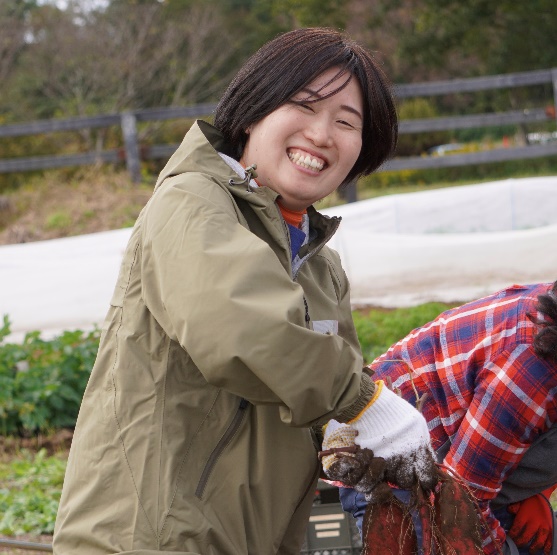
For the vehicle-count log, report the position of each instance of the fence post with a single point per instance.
(554, 79)
(131, 144)
(349, 192)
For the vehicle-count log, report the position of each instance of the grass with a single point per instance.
(378, 329)
(66, 202)
(57, 205)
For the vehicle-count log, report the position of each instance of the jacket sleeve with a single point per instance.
(221, 292)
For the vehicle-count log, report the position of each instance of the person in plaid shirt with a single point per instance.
(486, 374)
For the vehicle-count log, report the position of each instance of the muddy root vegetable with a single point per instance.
(444, 508)
(388, 529)
(448, 519)
(456, 522)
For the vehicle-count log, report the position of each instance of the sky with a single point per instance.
(86, 4)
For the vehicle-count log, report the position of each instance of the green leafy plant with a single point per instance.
(30, 485)
(30, 488)
(42, 382)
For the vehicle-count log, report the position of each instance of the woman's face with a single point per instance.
(304, 152)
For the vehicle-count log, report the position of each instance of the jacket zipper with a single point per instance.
(220, 447)
(302, 262)
(305, 259)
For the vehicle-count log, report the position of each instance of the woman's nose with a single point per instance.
(318, 132)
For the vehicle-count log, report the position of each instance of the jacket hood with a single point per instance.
(198, 152)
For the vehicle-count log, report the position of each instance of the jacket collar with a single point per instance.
(199, 152)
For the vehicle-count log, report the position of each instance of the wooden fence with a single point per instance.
(133, 153)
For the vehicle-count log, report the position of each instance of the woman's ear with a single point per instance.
(248, 130)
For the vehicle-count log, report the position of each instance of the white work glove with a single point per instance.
(397, 432)
(345, 463)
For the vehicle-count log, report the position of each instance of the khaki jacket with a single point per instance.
(194, 432)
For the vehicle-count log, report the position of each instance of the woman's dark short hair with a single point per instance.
(285, 65)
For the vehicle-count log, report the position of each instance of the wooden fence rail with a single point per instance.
(132, 153)
(27, 546)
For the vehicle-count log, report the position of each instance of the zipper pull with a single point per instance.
(250, 174)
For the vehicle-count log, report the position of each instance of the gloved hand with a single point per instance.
(397, 432)
(343, 461)
(533, 522)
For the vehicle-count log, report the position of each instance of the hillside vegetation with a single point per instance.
(59, 205)
(56, 204)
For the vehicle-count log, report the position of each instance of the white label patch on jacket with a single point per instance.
(329, 327)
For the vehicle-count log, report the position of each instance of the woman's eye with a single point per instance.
(346, 123)
(306, 107)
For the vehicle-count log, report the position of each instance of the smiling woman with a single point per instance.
(230, 332)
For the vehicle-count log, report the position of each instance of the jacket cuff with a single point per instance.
(367, 390)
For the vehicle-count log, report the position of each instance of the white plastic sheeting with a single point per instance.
(451, 244)
(60, 284)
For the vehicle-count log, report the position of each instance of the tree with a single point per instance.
(13, 36)
(131, 55)
(481, 37)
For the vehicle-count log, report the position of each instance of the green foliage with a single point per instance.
(414, 180)
(414, 144)
(30, 489)
(42, 382)
(311, 13)
(482, 36)
(379, 329)
(41, 385)
(31, 485)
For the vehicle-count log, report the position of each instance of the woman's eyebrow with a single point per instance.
(352, 110)
(316, 95)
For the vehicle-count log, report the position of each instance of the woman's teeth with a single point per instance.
(306, 161)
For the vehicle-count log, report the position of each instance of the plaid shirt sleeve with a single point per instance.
(508, 411)
(487, 391)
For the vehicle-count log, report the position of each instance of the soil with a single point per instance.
(57, 442)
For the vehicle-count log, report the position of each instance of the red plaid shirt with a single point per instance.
(487, 390)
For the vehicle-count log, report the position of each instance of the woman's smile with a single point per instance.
(306, 160)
